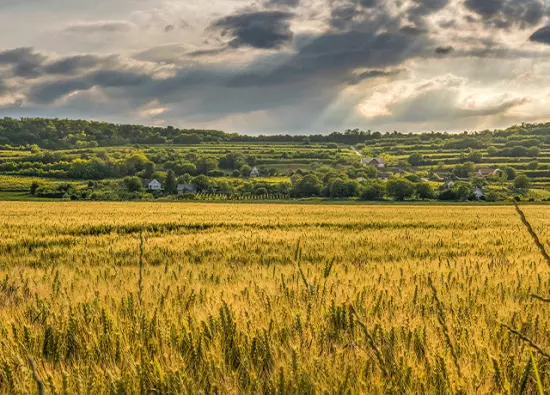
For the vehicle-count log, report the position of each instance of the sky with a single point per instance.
(279, 66)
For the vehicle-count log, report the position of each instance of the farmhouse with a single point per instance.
(255, 172)
(376, 162)
(487, 172)
(186, 188)
(154, 185)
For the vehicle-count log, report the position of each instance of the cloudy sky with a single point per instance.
(279, 66)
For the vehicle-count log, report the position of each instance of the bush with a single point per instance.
(510, 172)
(522, 182)
(424, 190)
(374, 190)
(400, 188)
(261, 191)
(132, 184)
(413, 178)
(416, 159)
(216, 173)
(448, 195)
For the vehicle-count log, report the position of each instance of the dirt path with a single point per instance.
(354, 150)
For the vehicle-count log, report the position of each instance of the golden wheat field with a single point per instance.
(234, 298)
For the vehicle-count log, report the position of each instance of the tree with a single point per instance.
(533, 165)
(373, 190)
(34, 186)
(519, 151)
(185, 179)
(132, 183)
(464, 170)
(202, 182)
(463, 190)
(424, 190)
(522, 182)
(232, 161)
(475, 156)
(370, 171)
(159, 176)
(400, 188)
(492, 151)
(245, 170)
(416, 159)
(533, 151)
(510, 172)
(204, 165)
(343, 189)
(310, 185)
(170, 185)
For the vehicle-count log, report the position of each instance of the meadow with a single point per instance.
(272, 298)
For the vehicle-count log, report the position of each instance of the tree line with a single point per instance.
(65, 133)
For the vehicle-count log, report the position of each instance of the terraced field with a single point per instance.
(236, 298)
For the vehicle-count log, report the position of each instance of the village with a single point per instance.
(473, 184)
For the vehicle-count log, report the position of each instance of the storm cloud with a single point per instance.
(270, 66)
(508, 13)
(25, 62)
(263, 29)
(542, 35)
(284, 3)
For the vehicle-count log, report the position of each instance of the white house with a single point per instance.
(478, 193)
(154, 185)
(255, 172)
(376, 162)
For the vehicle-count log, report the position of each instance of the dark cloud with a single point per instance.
(317, 71)
(542, 35)
(264, 29)
(335, 55)
(508, 13)
(370, 74)
(448, 24)
(170, 53)
(49, 92)
(3, 88)
(422, 8)
(25, 62)
(413, 30)
(73, 64)
(100, 27)
(444, 50)
(347, 14)
(284, 3)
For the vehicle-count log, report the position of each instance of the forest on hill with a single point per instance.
(64, 134)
